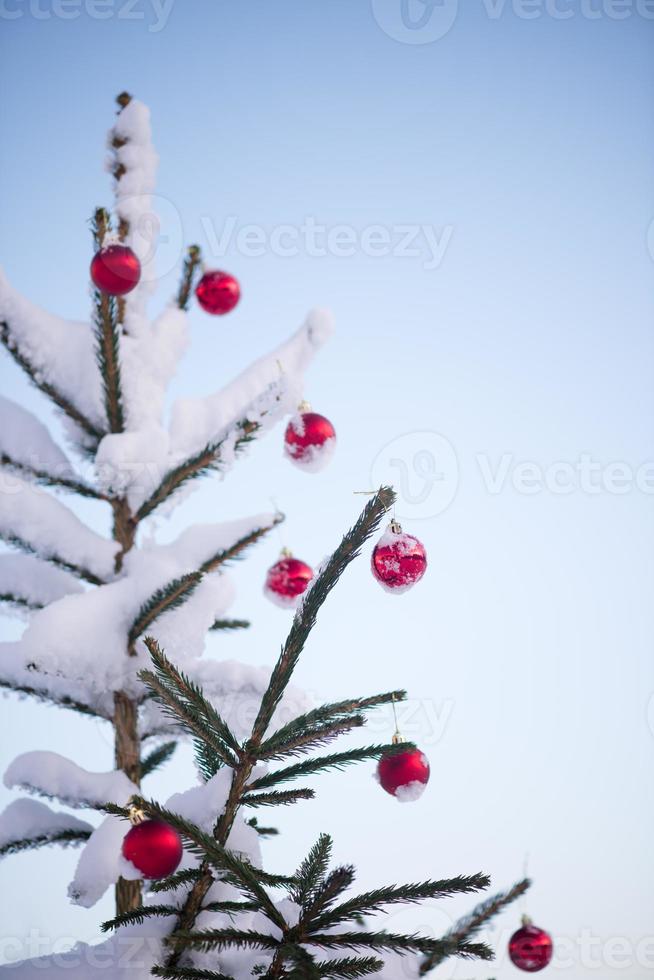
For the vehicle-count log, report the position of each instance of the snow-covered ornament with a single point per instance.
(403, 773)
(530, 948)
(398, 560)
(309, 440)
(286, 580)
(115, 270)
(218, 292)
(152, 846)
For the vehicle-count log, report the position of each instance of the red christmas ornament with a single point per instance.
(309, 440)
(404, 774)
(218, 292)
(154, 847)
(115, 270)
(530, 948)
(287, 580)
(398, 560)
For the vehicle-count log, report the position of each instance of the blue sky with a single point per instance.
(519, 356)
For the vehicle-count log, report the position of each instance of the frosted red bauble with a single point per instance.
(398, 560)
(404, 774)
(530, 948)
(218, 292)
(287, 580)
(154, 847)
(309, 441)
(115, 270)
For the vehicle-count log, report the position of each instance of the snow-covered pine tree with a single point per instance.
(90, 600)
(102, 613)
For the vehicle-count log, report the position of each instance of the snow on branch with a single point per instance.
(207, 434)
(55, 777)
(58, 356)
(26, 447)
(35, 522)
(29, 582)
(26, 824)
(77, 644)
(198, 422)
(134, 166)
(177, 591)
(19, 674)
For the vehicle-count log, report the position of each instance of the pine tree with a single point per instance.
(104, 621)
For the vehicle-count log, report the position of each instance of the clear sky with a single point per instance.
(501, 374)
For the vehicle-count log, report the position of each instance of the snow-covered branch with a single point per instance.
(35, 522)
(27, 824)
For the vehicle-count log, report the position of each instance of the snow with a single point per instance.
(35, 581)
(134, 204)
(410, 792)
(313, 459)
(132, 462)
(75, 647)
(62, 351)
(78, 643)
(51, 530)
(281, 601)
(54, 776)
(101, 863)
(26, 440)
(265, 391)
(24, 819)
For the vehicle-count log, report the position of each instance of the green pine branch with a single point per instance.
(349, 967)
(312, 872)
(305, 617)
(324, 715)
(47, 697)
(179, 879)
(66, 838)
(207, 460)
(107, 336)
(187, 973)
(333, 884)
(183, 701)
(230, 624)
(233, 870)
(15, 541)
(308, 767)
(178, 591)
(12, 599)
(157, 758)
(192, 262)
(138, 916)
(470, 925)
(207, 940)
(303, 622)
(277, 797)
(376, 900)
(57, 397)
(311, 739)
(57, 482)
(396, 943)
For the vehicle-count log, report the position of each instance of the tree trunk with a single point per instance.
(126, 734)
